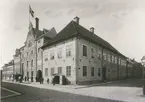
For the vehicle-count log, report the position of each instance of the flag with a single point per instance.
(31, 11)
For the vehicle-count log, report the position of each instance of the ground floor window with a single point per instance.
(84, 70)
(99, 72)
(31, 73)
(92, 71)
(52, 71)
(68, 71)
(27, 74)
(46, 71)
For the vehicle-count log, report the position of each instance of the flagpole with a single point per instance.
(29, 15)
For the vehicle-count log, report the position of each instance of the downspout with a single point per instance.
(76, 58)
(36, 58)
(102, 63)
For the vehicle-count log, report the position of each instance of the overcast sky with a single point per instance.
(120, 22)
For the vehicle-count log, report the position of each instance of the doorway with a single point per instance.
(38, 76)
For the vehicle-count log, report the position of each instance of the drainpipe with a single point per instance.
(102, 64)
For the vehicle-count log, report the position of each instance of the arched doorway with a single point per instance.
(38, 76)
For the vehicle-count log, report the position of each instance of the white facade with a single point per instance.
(60, 60)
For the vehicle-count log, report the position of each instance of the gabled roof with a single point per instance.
(74, 29)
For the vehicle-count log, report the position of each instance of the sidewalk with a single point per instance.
(130, 94)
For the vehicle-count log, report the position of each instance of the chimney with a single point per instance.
(76, 19)
(92, 30)
(37, 23)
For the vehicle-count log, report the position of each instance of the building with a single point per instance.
(82, 57)
(28, 59)
(8, 70)
(143, 63)
(17, 63)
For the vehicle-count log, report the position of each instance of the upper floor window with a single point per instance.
(112, 59)
(29, 44)
(104, 56)
(46, 71)
(38, 49)
(31, 52)
(116, 60)
(68, 71)
(59, 54)
(109, 58)
(68, 50)
(52, 56)
(84, 70)
(31, 63)
(84, 50)
(92, 53)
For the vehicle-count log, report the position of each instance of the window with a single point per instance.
(99, 72)
(84, 70)
(84, 50)
(46, 71)
(29, 44)
(31, 52)
(52, 71)
(27, 64)
(31, 73)
(27, 74)
(68, 71)
(99, 55)
(59, 54)
(68, 50)
(112, 59)
(92, 71)
(46, 59)
(115, 60)
(38, 49)
(52, 56)
(31, 63)
(92, 53)
(109, 58)
(104, 56)
(59, 70)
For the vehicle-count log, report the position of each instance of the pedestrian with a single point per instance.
(47, 80)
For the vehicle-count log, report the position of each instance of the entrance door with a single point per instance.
(39, 75)
(56, 78)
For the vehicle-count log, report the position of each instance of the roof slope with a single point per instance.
(74, 29)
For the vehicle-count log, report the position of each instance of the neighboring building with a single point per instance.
(17, 62)
(8, 70)
(31, 54)
(81, 56)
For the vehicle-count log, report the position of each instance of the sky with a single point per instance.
(120, 22)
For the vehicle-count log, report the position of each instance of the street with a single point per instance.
(21, 93)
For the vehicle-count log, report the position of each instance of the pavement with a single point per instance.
(130, 90)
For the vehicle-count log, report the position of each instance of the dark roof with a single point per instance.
(73, 29)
